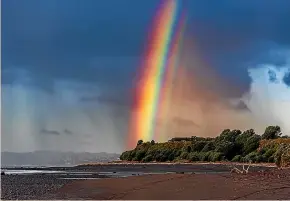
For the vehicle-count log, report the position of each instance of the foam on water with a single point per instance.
(12, 172)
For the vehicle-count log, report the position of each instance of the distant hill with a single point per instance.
(53, 158)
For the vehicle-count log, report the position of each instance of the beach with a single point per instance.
(155, 181)
(183, 187)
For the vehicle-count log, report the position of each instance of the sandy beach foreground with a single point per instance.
(184, 183)
(269, 185)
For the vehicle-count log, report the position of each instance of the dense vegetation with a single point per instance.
(230, 145)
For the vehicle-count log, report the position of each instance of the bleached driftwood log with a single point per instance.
(243, 171)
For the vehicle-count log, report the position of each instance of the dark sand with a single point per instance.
(270, 185)
(260, 183)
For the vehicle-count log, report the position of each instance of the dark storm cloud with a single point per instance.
(72, 40)
(101, 42)
(236, 35)
(272, 76)
(286, 78)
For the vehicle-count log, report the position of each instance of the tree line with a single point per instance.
(230, 145)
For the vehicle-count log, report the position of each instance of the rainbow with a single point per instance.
(153, 90)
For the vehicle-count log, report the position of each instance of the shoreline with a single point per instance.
(151, 167)
(114, 167)
(176, 163)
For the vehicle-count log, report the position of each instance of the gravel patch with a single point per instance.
(26, 187)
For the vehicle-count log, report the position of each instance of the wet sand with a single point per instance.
(272, 184)
(152, 167)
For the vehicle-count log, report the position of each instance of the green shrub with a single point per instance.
(139, 142)
(259, 158)
(251, 157)
(237, 158)
(198, 145)
(171, 157)
(209, 146)
(269, 153)
(203, 156)
(186, 148)
(272, 132)
(147, 158)
(229, 135)
(230, 145)
(282, 155)
(177, 153)
(184, 155)
(226, 148)
(140, 154)
(251, 144)
(193, 156)
(214, 156)
(161, 157)
(125, 155)
(271, 159)
(243, 160)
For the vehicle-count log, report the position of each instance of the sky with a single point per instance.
(68, 66)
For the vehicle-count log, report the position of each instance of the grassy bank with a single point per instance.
(230, 145)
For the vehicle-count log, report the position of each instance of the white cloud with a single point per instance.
(270, 102)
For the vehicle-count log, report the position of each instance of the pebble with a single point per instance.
(25, 187)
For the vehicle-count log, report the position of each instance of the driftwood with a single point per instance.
(243, 171)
